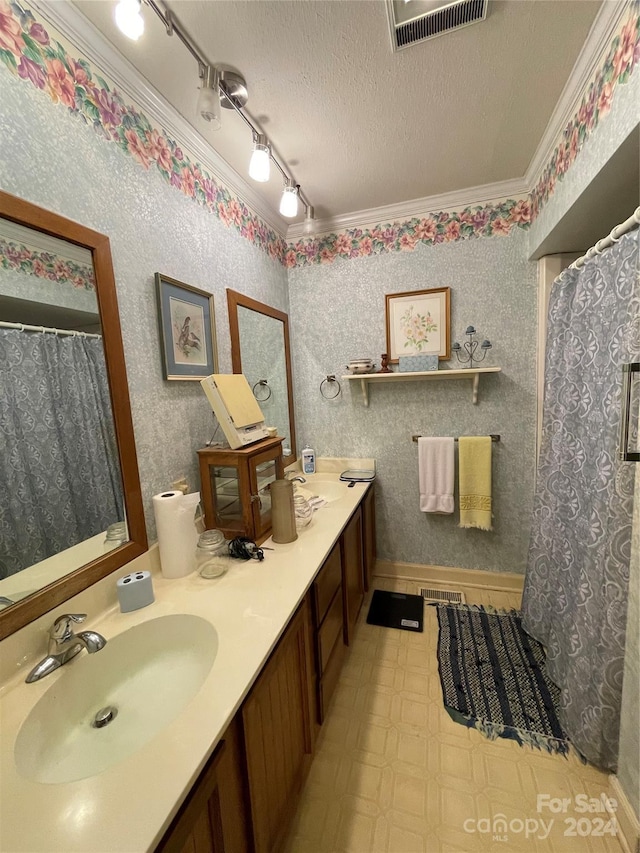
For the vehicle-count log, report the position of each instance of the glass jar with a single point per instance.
(302, 511)
(212, 554)
(116, 535)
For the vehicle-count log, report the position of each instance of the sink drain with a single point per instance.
(104, 716)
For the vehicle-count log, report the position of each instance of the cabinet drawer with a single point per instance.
(330, 631)
(326, 584)
(329, 681)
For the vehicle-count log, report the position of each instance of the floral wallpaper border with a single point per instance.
(21, 258)
(617, 67)
(481, 221)
(29, 52)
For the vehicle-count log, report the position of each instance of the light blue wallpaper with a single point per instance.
(338, 313)
(52, 159)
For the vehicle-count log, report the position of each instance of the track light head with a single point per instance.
(289, 200)
(129, 19)
(260, 165)
(209, 97)
(309, 221)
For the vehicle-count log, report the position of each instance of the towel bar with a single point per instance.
(493, 437)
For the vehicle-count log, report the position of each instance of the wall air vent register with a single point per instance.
(413, 21)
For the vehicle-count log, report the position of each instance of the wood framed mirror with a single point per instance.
(47, 251)
(261, 350)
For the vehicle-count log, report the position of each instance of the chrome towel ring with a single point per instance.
(261, 383)
(332, 383)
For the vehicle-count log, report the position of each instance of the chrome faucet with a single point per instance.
(296, 479)
(64, 644)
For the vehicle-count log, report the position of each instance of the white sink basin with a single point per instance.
(325, 487)
(148, 673)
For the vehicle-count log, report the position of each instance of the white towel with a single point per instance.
(436, 474)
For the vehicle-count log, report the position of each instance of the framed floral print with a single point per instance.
(418, 323)
(187, 330)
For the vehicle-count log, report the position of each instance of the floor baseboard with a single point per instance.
(628, 823)
(448, 576)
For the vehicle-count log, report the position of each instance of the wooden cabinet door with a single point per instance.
(278, 734)
(369, 536)
(215, 816)
(353, 575)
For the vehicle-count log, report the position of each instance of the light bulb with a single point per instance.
(129, 19)
(309, 221)
(289, 200)
(260, 164)
(209, 98)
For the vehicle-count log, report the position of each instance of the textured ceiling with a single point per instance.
(356, 124)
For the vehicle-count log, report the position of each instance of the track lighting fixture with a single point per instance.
(289, 200)
(209, 97)
(129, 19)
(220, 88)
(260, 164)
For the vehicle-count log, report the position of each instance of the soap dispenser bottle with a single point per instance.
(308, 460)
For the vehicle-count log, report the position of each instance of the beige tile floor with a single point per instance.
(394, 773)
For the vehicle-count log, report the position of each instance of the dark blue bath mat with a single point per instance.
(493, 678)
(396, 610)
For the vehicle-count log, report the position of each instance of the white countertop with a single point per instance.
(129, 806)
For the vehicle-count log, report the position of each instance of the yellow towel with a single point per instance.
(474, 480)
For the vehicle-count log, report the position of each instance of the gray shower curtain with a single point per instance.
(575, 594)
(59, 471)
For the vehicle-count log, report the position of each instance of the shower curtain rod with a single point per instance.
(628, 225)
(24, 327)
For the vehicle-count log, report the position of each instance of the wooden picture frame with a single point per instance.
(419, 323)
(187, 330)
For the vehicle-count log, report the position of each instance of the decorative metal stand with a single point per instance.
(470, 347)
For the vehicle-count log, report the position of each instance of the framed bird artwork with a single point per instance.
(187, 330)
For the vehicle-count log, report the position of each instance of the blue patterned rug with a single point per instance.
(493, 678)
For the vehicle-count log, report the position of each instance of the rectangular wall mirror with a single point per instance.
(71, 510)
(260, 349)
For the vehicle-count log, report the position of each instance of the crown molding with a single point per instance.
(455, 200)
(604, 28)
(93, 45)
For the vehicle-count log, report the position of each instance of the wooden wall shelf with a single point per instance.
(473, 374)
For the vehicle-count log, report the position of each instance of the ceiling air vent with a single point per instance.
(413, 21)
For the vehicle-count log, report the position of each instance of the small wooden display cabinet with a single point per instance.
(235, 487)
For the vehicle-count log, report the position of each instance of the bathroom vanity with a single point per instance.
(238, 805)
(226, 772)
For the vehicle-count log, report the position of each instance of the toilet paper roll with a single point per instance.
(177, 533)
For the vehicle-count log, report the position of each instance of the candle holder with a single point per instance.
(384, 364)
(470, 348)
